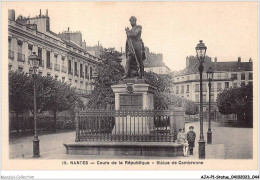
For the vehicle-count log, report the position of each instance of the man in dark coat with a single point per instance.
(191, 136)
(135, 53)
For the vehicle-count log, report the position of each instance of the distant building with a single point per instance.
(158, 70)
(226, 75)
(75, 37)
(62, 58)
(95, 50)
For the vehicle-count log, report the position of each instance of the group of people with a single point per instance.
(187, 140)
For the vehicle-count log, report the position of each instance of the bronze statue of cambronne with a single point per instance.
(135, 52)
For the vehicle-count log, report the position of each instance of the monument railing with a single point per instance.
(126, 125)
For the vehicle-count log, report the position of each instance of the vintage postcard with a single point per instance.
(129, 86)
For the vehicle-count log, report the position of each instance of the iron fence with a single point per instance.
(126, 125)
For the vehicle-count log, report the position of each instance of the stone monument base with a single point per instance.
(132, 96)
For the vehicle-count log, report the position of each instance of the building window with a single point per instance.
(63, 79)
(48, 59)
(76, 81)
(212, 86)
(250, 76)
(40, 55)
(188, 89)
(81, 70)
(177, 89)
(30, 48)
(20, 47)
(204, 98)
(226, 75)
(76, 68)
(204, 88)
(182, 89)
(90, 72)
(56, 77)
(86, 72)
(10, 66)
(219, 76)
(250, 82)
(48, 75)
(197, 98)
(243, 76)
(234, 76)
(69, 67)
(56, 58)
(234, 85)
(197, 76)
(187, 95)
(226, 84)
(197, 88)
(9, 43)
(219, 87)
(40, 73)
(243, 83)
(212, 97)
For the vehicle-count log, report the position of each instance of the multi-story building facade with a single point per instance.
(226, 75)
(62, 59)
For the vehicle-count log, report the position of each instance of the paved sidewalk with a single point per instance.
(23, 147)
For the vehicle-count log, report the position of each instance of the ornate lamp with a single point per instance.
(201, 51)
(34, 61)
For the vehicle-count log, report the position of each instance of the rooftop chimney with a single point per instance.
(46, 12)
(239, 59)
(11, 14)
(40, 12)
(68, 29)
(215, 59)
(250, 59)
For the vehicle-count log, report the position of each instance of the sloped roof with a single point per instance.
(218, 66)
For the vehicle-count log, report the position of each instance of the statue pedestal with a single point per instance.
(131, 97)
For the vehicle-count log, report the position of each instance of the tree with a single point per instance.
(51, 94)
(19, 96)
(109, 74)
(237, 101)
(191, 108)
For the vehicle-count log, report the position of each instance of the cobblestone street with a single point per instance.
(228, 143)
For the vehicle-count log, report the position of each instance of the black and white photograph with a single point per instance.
(144, 85)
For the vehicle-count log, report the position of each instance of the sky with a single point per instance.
(228, 29)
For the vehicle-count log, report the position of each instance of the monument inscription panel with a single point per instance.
(131, 101)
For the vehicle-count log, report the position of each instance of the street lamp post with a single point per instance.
(34, 63)
(210, 73)
(201, 52)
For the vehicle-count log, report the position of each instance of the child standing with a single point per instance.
(191, 136)
(182, 139)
